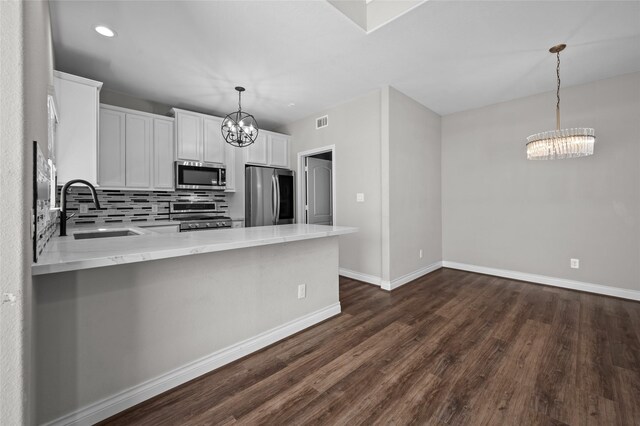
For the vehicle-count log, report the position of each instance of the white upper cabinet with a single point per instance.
(214, 149)
(230, 164)
(77, 132)
(163, 154)
(269, 149)
(198, 137)
(111, 151)
(188, 135)
(278, 150)
(138, 151)
(257, 152)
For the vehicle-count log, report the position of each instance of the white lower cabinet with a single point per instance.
(135, 150)
(162, 229)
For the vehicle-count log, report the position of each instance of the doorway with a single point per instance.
(317, 186)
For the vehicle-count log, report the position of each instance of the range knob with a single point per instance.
(192, 226)
(210, 225)
(220, 224)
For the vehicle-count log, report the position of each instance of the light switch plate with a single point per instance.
(302, 291)
(84, 208)
(575, 263)
(360, 197)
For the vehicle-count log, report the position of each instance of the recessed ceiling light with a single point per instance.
(105, 31)
(291, 105)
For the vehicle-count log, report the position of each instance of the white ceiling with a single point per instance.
(448, 55)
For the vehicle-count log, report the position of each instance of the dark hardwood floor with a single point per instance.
(450, 348)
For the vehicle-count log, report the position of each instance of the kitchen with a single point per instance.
(138, 203)
(321, 211)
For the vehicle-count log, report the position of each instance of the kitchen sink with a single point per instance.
(105, 234)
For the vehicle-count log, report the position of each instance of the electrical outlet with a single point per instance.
(420, 253)
(302, 291)
(575, 263)
(84, 208)
(154, 208)
(360, 197)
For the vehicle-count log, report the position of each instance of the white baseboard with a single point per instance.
(114, 404)
(543, 279)
(371, 279)
(390, 285)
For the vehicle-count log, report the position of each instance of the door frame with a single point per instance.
(302, 187)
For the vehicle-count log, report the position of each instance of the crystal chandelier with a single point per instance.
(239, 128)
(560, 143)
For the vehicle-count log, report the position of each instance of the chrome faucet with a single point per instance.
(63, 202)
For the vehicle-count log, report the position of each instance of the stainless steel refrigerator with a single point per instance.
(269, 196)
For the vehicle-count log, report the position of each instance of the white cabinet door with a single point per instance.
(112, 148)
(77, 133)
(163, 154)
(163, 229)
(189, 136)
(278, 150)
(230, 164)
(256, 153)
(138, 151)
(213, 142)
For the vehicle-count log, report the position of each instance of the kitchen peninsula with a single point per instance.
(122, 319)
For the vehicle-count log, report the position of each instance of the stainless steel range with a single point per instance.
(197, 216)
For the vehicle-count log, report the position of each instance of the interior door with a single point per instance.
(319, 191)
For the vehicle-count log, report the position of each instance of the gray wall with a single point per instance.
(414, 185)
(502, 211)
(354, 128)
(104, 330)
(14, 272)
(122, 100)
(27, 72)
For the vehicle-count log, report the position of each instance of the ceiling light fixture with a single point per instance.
(105, 31)
(239, 128)
(560, 143)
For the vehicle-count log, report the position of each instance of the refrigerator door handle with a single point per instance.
(278, 199)
(274, 199)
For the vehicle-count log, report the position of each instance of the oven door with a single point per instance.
(194, 175)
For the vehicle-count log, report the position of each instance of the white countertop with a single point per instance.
(67, 254)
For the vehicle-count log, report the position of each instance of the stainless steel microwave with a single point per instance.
(195, 175)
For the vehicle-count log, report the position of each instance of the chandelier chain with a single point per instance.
(558, 92)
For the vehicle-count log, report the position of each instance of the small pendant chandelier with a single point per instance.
(239, 128)
(559, 144)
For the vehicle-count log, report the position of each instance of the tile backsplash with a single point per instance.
(133, 206)
(45, 218)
